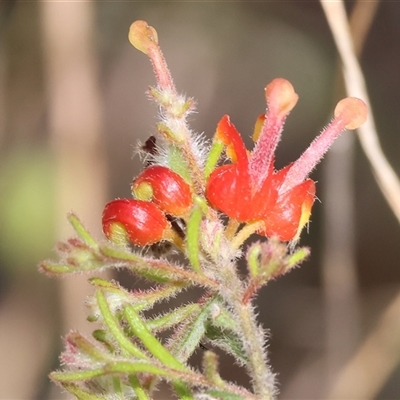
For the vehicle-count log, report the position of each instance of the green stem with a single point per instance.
(252, 336)
(254, 348)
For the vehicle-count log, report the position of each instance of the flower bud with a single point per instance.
(141, 36)
(165, 188)
(140, 222)
(280, 96)
(353, 111)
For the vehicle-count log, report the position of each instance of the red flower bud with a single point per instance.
(137, 221)
(165, 188)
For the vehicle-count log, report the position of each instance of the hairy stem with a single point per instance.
(253, 337)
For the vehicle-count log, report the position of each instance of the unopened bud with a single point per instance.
(142, 36)
(281, 97)
(352, 110)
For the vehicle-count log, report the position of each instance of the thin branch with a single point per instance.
(338, 262)
(379, 355)
(375, 360)
(355, 86)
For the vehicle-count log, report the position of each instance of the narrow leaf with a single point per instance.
(192, 238)
(157, 270)
(81, 231)
(298, 257)
(141, 300)
(122, 367)
(137, 387)
(183, 392)
(213, 157)
(80, 393)
(81, 344)
(150, 342)
(228, 341)
(187, 339)
(222, 395)
(175, 317)
(210, 366)
(116, 330)
(253, 259)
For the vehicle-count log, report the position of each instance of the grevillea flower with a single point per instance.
(140, 222)
(250, 189)
(165, 188)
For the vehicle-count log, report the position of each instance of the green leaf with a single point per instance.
(51, 268)
(298, 257)
(183, 391)
(117, 386)
(80, 393)
(188, 337)
(210, 367)
(152, 344)
(226, 340)
(137, 387)
(179, 378)
(81, 231)
(115, 328)
(222, 395)
(122, 367)
(103, 337)
(253, 259)
(76, 256)
(224, 319)
(213, 157)
(221, 329)
(170, 319)
(83, 345)
(159, 270)
(140, 300)
(193, 238)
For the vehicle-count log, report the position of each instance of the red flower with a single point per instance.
(249, 189)
(165, 188)
(140, 222)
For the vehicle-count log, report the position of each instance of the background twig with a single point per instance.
(376, 359)
(355, 86)
(339, 264)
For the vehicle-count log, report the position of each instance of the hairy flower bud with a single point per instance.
(140, 222)
(141, 36)
(280, 96)
(353, 111)
(165, 188)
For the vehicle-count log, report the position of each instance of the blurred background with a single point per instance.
(72, 109)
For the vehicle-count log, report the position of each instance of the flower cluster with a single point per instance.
(159, 192)
(207, 199)
(248, 189)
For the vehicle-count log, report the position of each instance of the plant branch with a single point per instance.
(253, 337)
(355, 86)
